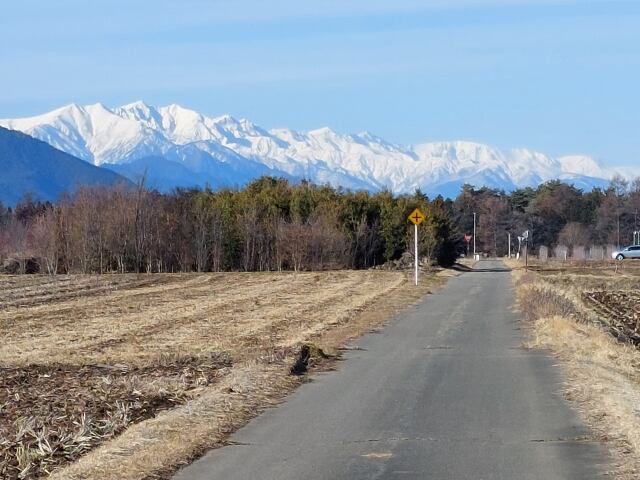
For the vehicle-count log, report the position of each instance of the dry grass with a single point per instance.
(158, 368)
(602, 374)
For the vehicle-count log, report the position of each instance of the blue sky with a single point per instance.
(559, 76)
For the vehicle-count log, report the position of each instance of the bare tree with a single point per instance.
(44, 241)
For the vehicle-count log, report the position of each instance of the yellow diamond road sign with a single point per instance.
(417, 217)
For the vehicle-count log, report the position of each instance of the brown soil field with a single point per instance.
(129, 376)
(620, 308)
(609, 290)
(588, 317)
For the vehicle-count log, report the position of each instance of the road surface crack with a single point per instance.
(583, 439)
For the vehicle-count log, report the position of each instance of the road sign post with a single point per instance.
(415, 238)
(416, 217)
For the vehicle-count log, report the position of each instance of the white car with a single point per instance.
(632, 251)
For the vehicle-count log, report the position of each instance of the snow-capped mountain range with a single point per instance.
(176, 146)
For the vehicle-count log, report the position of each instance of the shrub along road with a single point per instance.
(445, 392)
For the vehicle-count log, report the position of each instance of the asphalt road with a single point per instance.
(444, 392)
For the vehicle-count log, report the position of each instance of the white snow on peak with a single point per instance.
(581, 165)
(136, 130)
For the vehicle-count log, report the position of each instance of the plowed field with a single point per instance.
(83, 358)
(620, 308)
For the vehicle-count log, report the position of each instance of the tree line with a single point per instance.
(554, 213)
(272, 224)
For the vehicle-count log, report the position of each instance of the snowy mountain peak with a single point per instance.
(370, 137)
(138, 131)
(581, 165)
(323, 132)
(137, 105)
(135, 110)
(70, 108)
(179, 111)
(226, 119)
(96, 107)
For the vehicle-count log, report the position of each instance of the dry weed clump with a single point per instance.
(308, 355)
(602, 373)
(543, 303)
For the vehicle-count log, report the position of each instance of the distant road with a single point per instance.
(444, 392)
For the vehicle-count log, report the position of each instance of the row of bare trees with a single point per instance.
(268, 225)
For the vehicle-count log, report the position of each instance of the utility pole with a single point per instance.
(474, 236)
(509, 234)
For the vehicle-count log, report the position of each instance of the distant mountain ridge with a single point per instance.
(176, 146)
(31, 166)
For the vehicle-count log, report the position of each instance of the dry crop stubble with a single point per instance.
(176, 362)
